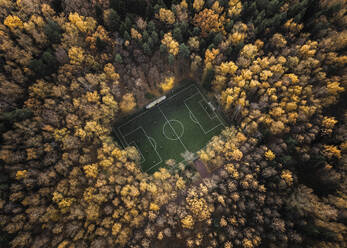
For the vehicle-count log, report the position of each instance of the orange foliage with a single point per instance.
(209, 21)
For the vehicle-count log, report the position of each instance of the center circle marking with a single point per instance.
(178, 132)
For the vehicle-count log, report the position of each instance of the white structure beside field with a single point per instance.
(150, 105)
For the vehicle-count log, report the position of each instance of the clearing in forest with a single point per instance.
(185, 121)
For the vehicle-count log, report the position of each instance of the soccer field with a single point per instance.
(185, 121)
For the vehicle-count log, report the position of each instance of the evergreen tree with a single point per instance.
(196, 31)
(118, 58)
(163, 48)
(217, 39)
(155, 37)
(184, 51)
(126, 35)
(208, 78)
(119, 6)
(171, 59)
(145, 35)
(53, 31)
(150, 43)
(151, 26)
(100, 44)
(45, 65)
(229, 26)
(177, 35)
(146, 48)
(112, 20)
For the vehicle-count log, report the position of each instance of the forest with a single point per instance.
(71, 69)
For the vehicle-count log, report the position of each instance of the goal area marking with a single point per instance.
(192, 115)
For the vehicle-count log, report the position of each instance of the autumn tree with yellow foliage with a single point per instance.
(209, 21)
(128, 103)
(168, 84)
(167, 16)
(170, 44)
(13, 22)
(275, 178)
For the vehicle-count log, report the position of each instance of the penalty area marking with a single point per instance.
(194, 118)
(209, 115)
(133, 143)
(153, 143)
(150, 140)
(203, 97)
(198, 122)
(161, 160)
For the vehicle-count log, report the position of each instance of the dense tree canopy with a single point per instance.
(71, 69)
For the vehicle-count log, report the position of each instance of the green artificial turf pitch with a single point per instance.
(183, 122)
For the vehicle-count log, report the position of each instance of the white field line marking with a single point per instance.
(192, 117)
(209, 115)
(146, 111)
(141, 128)
(163, 132)
(202, 100)
(203, 97)
(128, 144)
(198, 122)
(120, 138)
(120, 132)
(137, 147)
(179, 92)
(181, 124)
(137, 116)
(188, 98)
(183, 160)
(173, 129)
(134, 130)
(167, 123)
(161, 160)
(152, 140)
(151, 167)
(191, 112)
